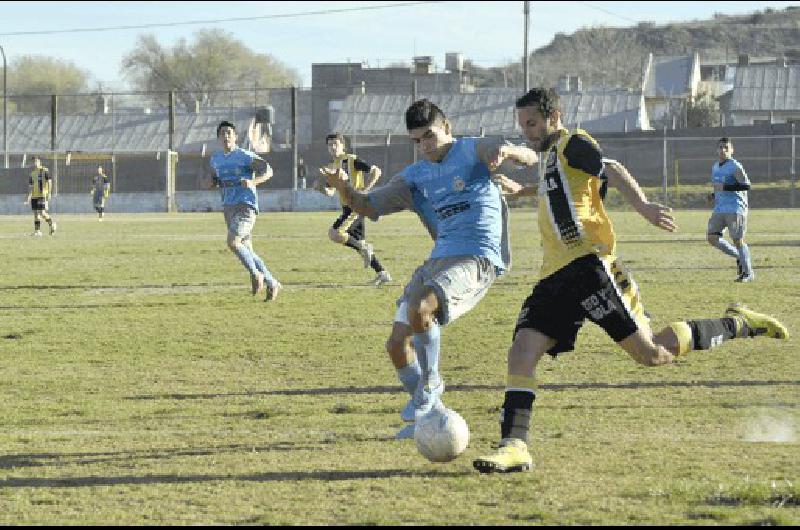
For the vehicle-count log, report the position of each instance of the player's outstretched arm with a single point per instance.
(512, 189)
(493, 153)
(262, 172)
(374, 176)
(358, 201)
(656, 214)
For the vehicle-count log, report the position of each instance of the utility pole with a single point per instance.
(527, 10)
(5, 107)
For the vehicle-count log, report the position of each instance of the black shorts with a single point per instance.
(585, 289)
(38, 204)
(352, 223)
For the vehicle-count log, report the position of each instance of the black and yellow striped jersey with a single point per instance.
(40, 183)
(572, 219)
(354, 167)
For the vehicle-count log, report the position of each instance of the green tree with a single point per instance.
(33, 79)
(702, 111)
(197, 71)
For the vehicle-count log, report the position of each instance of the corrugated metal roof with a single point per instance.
(766, 87)
(491, 110)
(668, 76)
(129, 131)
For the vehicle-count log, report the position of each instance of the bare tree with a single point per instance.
(215, 61)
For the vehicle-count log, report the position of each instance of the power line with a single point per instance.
(218, 21)
(607, 12)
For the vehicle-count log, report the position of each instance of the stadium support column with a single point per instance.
(54, 139)
(294, 140)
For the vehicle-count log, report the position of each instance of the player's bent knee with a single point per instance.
(336, 236)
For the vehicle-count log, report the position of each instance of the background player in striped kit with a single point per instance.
(39, 190)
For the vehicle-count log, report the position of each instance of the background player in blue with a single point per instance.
(730, 209)
(468, 253)
(237, 172)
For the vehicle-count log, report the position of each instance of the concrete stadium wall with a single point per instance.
(187, 201)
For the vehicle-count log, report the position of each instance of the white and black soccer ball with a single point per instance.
(441, 435)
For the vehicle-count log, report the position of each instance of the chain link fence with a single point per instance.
(130, 134)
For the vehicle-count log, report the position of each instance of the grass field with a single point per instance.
(142, 384)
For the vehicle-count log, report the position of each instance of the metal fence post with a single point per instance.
(664, 167)
(793, 168)
(54, 139)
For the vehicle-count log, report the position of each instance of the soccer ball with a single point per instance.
(441, 435)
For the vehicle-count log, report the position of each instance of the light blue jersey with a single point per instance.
(467, 204)
(230, 169)
(729, 201)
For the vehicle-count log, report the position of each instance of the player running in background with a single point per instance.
(237, 172)
(730, 209)
(101, 189)
(581, 277)
(39, 189)
(350, 228)
(468, 252)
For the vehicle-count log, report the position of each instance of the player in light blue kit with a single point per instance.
(237, 172)
(730, 209)
(471, 244)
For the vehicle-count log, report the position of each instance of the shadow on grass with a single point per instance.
(633, 385)
(54, 459)
(286, 476)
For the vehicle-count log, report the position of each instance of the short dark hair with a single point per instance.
(224, 123)
(725, 140)
(545, 100)
(335, 136)
(423, 113)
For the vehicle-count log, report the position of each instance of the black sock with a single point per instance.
(516, 414)
(376, 265)
(37, 225)
(711, 332)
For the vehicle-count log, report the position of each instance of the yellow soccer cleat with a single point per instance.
(759, 323)
(511, 456)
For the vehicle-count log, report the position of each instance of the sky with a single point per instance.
(488, 33)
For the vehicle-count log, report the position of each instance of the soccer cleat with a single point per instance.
(758, 323)
(512, 456)
(256, 283)
(406, 433)
(427, 398)
(745, 278)
(273, 288)
(53, 228)
(382, 278)
(37, 233)
(408, 414)
(366, 253)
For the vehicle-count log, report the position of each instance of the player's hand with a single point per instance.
(333, 177)
(248, 183)
(710, 197)
(508, 187)
(498, 157)
(659, 216)
(319, 185)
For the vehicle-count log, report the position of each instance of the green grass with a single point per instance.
(142, 384)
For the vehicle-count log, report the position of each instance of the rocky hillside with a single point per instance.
(614, 56)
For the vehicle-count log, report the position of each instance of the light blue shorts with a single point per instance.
(459, 282)
(736, 224)
(241, 219)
